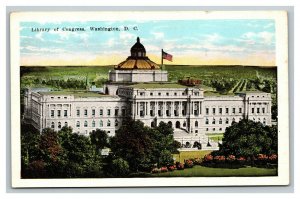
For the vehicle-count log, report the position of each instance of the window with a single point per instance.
(85, 112)
(123, 112)
(77, 124)
(207, 111)
(52, 113)
(214, 121)
(116, 112)
(108, 112)
(101, 123)
(78, 113)
(116, 123)
(65, 97)
(233, 110)
(227, 110)
(220, 129)
(151, 94)
(220, 110)
(264, 122)
(101, 112)
(263, 110)
(252, 110)
(108, 123)
(214, 111)
(206, 121)
(66, 123)
(240, 110)
(93, 124)
(206, 129)
(258, 109)
(214, 129)
(85, 123)
(220, 121)
(227, 121)
(196, 123)
(159, 94)
(175, 94)
(52, 125)
(93, 112)
(58, 113)
(65, 113)
(233, 119)
(59, 125)
(167, 94)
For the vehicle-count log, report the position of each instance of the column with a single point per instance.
(164, 108)
(137, 108)
(180, 108)
(172, 108)
(155, 108)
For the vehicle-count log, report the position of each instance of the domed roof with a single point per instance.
(138, 59)
(137, 47)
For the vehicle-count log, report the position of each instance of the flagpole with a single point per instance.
(162, 60)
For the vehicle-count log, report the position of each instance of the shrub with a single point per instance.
(156, 170)
(120, 167)
(197, 161)
(171, 168)
(208, 158)
(188, 164)
(164, 169)
(231, 158)
(179, 166)
(219, 159)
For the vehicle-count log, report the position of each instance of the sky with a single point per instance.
(191, 42)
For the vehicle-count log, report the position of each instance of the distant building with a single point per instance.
(137, 88)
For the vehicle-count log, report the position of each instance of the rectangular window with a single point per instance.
(58, 113)
(65, 113)
(214, 110)
(220, 110)
(78, 112)
(151, 94)
(227, 110)
(116, 112)
(108, 112)
(93, 112)
(101, 112)
(258, 110)
(123, 112)
(252, 110)
(85, 112)
(240, 110)
(233, 110)
(207, 111)
(52, 113)
(263, 110)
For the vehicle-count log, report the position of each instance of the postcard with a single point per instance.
(149, 98)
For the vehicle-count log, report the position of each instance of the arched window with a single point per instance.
(66, 123)
(227, 121)
(101, 123)
(108, 123)
(52, 125)
(196, 123)
(85, 123)
(93, 124)
(77, 124)
(233, 119)
(152, 124)
(184, 124)
(264, 121)
(206, 121)
(116, 122)
(214, 121)
(59, 125)
(220, 121)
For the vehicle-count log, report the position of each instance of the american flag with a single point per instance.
(167, 56)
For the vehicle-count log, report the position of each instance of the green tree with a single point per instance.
(99, 138)
(248, 138)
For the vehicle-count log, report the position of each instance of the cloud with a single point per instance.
(158, 35)
(264, 37)
(42, 50)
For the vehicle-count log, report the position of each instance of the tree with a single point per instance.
(99, 138)
(248, 139)
(133, 143)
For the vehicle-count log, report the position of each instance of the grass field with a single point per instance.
(184, 155)
(200, 171)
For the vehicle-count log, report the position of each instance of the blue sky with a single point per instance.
(247, 42)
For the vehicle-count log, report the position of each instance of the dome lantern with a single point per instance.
(138, 50)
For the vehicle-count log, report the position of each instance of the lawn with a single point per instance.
(200, 171)
(185, 155)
